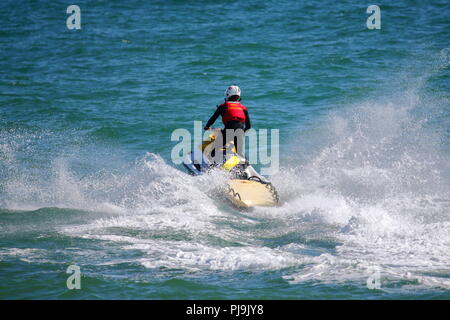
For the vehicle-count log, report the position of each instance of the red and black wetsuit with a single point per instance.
(234, 116)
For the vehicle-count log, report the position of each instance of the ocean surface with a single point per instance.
(86, 176)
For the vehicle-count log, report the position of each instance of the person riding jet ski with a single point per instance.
(234, 116)
(245, 187)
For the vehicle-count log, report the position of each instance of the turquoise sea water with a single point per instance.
(86, 176)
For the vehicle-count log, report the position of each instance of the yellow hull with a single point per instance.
(250, 193)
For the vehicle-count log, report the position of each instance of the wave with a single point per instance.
(367, 192)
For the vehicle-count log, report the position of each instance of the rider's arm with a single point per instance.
(214, 117)
(247, 121)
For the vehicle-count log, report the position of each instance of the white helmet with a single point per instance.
(232, 91)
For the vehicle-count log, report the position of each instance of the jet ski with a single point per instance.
(246, 188)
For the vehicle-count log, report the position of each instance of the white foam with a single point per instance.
(23, 254)
(375, 188)
(383, 178)
(199, 257)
